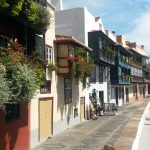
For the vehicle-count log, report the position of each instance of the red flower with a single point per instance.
(71, 58)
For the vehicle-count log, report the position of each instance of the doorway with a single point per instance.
(82, 108)
(45, 117)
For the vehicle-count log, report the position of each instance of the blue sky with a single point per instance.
(130, 18)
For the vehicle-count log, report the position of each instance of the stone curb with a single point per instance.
(128, 135)
(136, 142)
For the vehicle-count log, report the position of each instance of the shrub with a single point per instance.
(22, 82)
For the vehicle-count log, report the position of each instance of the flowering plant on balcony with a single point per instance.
(82, 65)
(18, 79)
(71, 58)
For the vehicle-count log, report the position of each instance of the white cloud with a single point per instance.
(141, 31)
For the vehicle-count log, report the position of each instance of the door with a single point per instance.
(101, 97)
(45, 117)
(127, 95)
(116, 93)
(82, 108)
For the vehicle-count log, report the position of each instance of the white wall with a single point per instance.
(71, 22)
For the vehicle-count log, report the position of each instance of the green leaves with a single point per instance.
(4, 4)
(19, 77)
(17, 7)
(4, 88)
(35, 14)
(22, 82)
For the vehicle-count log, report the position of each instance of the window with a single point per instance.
(101, 69)
(12, 111)
(67, 90)
(49, 54)
(4, 40)
(40, 46)
(46, 88)
(100, 43)
(92, 78)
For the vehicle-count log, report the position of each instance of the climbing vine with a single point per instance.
(82, 65)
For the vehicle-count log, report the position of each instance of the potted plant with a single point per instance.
(51, 66)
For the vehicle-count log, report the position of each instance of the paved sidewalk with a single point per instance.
(144, 143)
(128, 134)
(119, 131)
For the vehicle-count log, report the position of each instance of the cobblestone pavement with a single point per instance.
(93, 134)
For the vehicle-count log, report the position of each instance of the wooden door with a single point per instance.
(45, 117)
(82, 108)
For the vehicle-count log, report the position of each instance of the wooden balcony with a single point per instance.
(136, 79)
(122, 80)
(66, 49)
(136, 64)
(63, 64)
(124, 63)
(107, 57)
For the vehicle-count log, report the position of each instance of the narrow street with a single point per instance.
(93, 134)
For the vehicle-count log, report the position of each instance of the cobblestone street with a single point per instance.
(119, 131)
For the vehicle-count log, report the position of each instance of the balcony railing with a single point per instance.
(126, 79)
(124, 63)
(122, 80)
(146, 67)
(136, 79)
(107, 57)
(136, 64)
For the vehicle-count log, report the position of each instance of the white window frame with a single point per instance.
(49, 53)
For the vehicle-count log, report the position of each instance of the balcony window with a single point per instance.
(49, 53)
(92, 78)
(39, 44)
(100, 43)
(4, 40)
(101, 70)
(67, 90)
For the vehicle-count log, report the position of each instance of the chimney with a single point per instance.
(142, 47)
(58, 4)
(113, 32)
(97, 19)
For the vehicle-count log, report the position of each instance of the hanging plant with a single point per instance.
(43, 19)
(33, 13)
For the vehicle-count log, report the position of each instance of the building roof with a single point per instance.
(64, 38)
